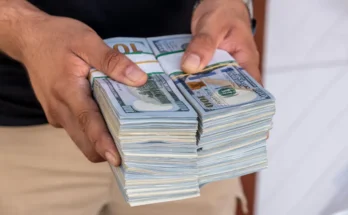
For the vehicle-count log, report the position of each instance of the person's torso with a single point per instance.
(109, 18)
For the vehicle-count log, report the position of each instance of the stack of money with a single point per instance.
(154, 128)
(235, 112)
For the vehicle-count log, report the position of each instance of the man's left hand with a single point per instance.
(221, 24)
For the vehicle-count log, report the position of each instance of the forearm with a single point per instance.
(16, 19)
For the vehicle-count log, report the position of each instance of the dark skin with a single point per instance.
(58, 53)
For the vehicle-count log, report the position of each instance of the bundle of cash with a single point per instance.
(154, 128)
(235, 112)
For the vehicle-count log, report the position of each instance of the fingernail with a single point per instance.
(111, 158)
(135, 74)
(192, 63)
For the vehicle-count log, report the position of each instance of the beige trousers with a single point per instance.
(42, 172)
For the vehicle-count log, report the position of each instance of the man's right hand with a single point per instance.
(58, 54)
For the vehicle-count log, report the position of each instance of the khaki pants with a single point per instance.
(43, 173)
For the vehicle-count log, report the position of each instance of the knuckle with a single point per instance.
(113, 60)
(203, 45)
(83, 119)
(206, 39)
(95, 143)
(98, 143)
(87, 35)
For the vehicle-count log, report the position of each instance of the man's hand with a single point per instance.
(58, 54)
(222, 24)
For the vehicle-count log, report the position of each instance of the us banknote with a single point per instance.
(222, 85)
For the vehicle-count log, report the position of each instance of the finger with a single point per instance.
(199, 52)
(251, 67)
(96, 53)
(248, 59)
(242, 47)
(71, 126)
(90, 121)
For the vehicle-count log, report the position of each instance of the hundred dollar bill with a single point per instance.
(222, 85)
(159, 97)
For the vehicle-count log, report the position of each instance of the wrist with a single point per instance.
(244, 7)
(236, 5)
(16, 19)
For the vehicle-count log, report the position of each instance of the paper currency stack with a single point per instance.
(154, 128)
(235, 112)
(180, 131)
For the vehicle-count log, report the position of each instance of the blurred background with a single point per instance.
(305, 66)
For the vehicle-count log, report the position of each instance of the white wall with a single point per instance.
(306, 68)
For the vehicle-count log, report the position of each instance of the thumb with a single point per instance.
(199, 52)
(111, 62)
